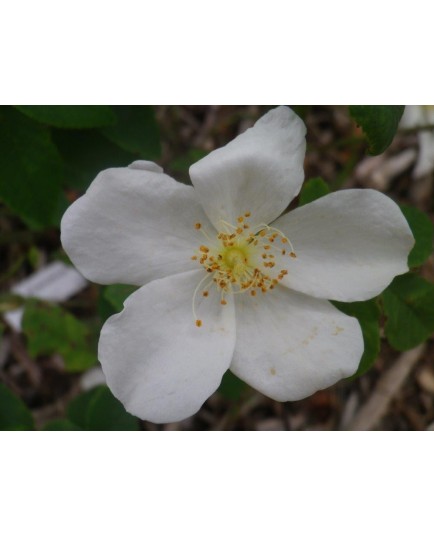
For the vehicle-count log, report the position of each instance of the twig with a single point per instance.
(389, 385)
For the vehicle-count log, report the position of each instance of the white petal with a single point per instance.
(349, 245)
(260, 171)
(157, 362)
(290, 345)
(133, 225)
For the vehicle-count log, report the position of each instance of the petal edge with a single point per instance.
(260, 171)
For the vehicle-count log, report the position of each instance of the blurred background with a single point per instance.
(51, 317)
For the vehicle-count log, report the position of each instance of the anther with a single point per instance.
(236, 263)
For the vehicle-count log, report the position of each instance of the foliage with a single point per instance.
(313, 189)
(45, 148)
(49, 329)
(422, 230)
(71, 116)
(379, 123)
(409, 306)
(28, 158)
(96, 410)
(14, 414)
(232, 387)
(368, 315)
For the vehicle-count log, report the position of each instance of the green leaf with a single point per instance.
(85, 154)
(182, 163)
(62, 204)
(379, 123)
(71, 116)
(117, 294)
(301, 110)
(136, 131)
(98, 409)
(313, 189)
(51, 329)
(105, 412)
(61, 425)
(78, 359)
(422, 230)
(232, 387)
(77, 408)
(409, 306)
(368, 315)
(31, 170)
(14, 414)
(111, 299)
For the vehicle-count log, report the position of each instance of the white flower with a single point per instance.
(421, 116)
(220, 288)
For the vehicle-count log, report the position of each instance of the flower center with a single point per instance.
(235, 259)
(241, 259)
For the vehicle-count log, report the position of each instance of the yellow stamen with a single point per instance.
(238, 260)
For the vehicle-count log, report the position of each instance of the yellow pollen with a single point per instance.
(238, 260)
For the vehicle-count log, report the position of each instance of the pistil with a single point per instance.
(240, 259)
